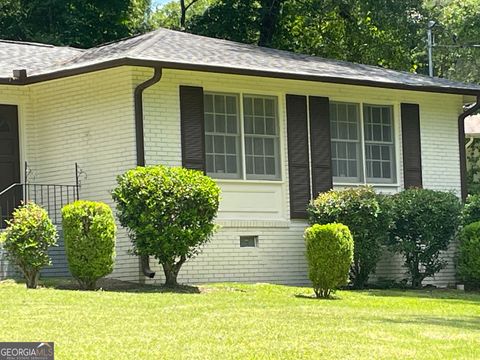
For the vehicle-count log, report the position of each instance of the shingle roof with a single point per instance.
(182, 50)
(15, 55)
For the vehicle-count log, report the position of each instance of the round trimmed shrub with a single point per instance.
(27, 238)
(170, 212)
(329, 256)
(469, 255)
(89, 230)
(425, 222)
(367, 216)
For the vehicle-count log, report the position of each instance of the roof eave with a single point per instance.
(228, 70)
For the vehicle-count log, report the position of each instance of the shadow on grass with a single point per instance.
(313, 297)
(439, 294)
(113, 285)
(468, 323)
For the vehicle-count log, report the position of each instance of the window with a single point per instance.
(224, 137)
(379, 146)
(346, 144)
(357, 154)
(249, 241)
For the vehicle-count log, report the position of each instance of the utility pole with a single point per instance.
(431, 25)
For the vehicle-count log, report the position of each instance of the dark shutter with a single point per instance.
(411, 145)
(319, 108)
(192, 127)
(298, 161)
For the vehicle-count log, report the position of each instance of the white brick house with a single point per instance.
(272, 127)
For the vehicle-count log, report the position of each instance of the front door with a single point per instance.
(9, 160)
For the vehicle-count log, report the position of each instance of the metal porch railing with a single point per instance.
(51, 197)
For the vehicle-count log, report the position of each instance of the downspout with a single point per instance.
(461, 143)
(140, 141)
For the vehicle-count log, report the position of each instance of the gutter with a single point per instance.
(461, 143)
(140, 144)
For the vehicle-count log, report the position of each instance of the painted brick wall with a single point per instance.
(280, 256)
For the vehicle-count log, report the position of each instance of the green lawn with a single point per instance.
(233, 321)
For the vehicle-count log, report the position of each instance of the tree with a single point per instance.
(27, 240)
(169, 213)
(171, 16)
(80, 23)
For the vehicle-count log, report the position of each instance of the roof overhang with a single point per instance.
(58, 74)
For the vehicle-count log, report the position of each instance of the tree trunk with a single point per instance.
(270, 14)
(171, 270)
(31, 278)
(183, 16)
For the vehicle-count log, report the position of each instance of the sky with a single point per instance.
(155, 3)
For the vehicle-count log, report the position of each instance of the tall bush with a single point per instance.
(468, 262)
(169, 211)
(27, 238)
(329, 255)
(425, 222)
(89, 230)
(367, 216)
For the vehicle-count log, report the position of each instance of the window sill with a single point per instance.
(367, 184)
(242, 181)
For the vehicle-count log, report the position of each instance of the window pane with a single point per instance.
(259, 165)
(259, 125)
(249, 163)
(258, 107)
(209, 144)
(219, 163)
(231, 105)
(270, 126)
(269, 147)
(209, 125)
(231, 164)
(208, 103)
(249, 146)
(231, 144)
(232, 124)
(210, 166)
(220, 123)
(219, 144)
(248, 125)
(220, 104)
(258, 146)
(269, 107)
(247, 106)
(270, 166)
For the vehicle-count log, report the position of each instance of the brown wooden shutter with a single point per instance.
(411, 144)
(192, 127)
(320, 143)
(298, 159)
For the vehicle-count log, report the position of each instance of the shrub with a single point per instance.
(89, 230)
(27, 238)
(468, 262)
(367, 216)
(471, 210)
(169, 211)
(425, 221)
(329, 255)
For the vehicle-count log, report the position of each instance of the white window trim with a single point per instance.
(281, 128)
(396, 136)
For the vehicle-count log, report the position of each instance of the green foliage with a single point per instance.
(329, 255)
(471, 210)
(469, 254)
(424, 223)
(367, 216)
(473, 167)
(169, 211)
(89, 230)
(27, 238)
(81, 23)
(168, 15)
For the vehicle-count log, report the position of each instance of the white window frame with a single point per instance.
(396, 140)
(278, 177)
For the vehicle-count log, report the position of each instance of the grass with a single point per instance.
(234, 321)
